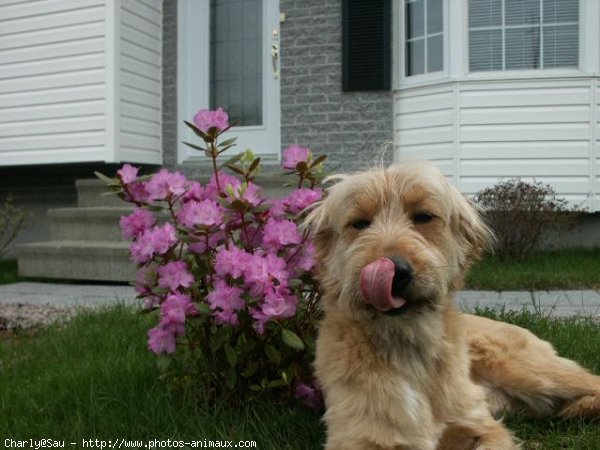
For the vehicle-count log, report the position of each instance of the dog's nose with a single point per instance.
(403, 275)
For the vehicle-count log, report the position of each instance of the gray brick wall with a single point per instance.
(354, 129)
(169, 82)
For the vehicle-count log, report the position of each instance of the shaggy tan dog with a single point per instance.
(400, 366)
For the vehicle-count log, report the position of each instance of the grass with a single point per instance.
(562, 269)
(94, 379)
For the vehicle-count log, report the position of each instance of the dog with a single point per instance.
(400, 367)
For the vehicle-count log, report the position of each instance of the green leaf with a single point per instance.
(230, 378)
(105, 194)
(194, 146)
(203, 308)
(255, 388)
(219, 339)
(227, 142)
(250, 370)
(225, 149)
(276, 383)
(254, 165)
(272, 354)
(195, 129)
(230, 355)
(163, 363)
(232, 160)
(160, 291)
(318, 161)
(291, 339)
(155, 208)
(109, 181)
(235, 169)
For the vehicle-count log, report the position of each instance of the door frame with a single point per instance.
(193, 25)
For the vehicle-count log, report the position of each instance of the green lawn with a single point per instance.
(564, 269)
(94, 379)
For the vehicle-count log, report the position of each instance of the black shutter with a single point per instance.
(366, 45)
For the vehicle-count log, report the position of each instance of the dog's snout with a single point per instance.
(403, 275)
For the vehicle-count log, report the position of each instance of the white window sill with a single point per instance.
(496, 76)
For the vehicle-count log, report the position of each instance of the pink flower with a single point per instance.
(232, 262)
(163, 238)
(279, 233)
(279, 304)
(175, 309)
(211, 191)
(145, 279)
(173, 275)
(161, 341)
(225, 300)
(150, 302)
(137, 193)
(136, 223)
(127, 173)
(213, 241)
(303, 260)
(293, 155)
(260, 320)
(252, 194)
(309, 395)
(157, 240)
(301, 199)
(261, 273)
(206, 119)
(206, 212)
(165, 183)
(195, 192)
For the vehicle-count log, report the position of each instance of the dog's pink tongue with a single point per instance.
(376, 285)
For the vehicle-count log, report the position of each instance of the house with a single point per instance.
(484, 88)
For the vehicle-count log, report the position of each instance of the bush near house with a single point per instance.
(519, 213)
(229, 272)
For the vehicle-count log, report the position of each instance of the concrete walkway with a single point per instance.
(556, 303)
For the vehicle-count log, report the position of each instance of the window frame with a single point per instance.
(456, 49)
(400, 40)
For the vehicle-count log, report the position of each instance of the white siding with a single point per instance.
(424, 126)
(52, 76)
(595, 166)
(543, 130)
(140, 80)
(80, 81)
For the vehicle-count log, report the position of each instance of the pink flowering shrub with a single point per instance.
(226, 269)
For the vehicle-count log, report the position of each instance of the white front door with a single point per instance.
(228, 56)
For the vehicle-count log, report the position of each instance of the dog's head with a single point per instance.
(395, 241)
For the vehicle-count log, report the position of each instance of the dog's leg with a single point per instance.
(524, 372)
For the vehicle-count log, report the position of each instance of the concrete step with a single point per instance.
(89, 194)
(76, 260)
(95, 223)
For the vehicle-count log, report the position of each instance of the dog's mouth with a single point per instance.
(383, 288)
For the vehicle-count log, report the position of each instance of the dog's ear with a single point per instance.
(474, 236)
(318, 223)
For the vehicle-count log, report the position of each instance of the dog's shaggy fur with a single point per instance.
(429, 377)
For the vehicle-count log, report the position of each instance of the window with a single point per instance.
(523, 34)
(424, 36)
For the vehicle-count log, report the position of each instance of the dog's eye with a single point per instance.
(422, 217)
(360, 224)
